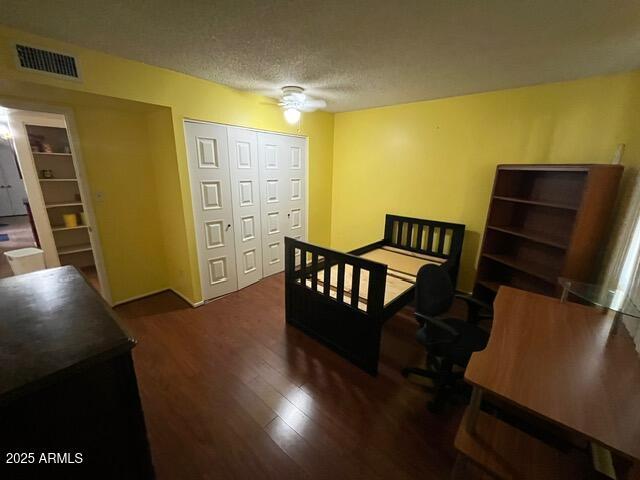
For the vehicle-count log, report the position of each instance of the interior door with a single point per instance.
(282, 188)
(213, 214)
(6, 207)
(12, 191)
(245, 191)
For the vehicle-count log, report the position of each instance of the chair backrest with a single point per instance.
(434, 291)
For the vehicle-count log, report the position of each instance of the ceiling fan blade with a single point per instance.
(294, 97)
(312, 104)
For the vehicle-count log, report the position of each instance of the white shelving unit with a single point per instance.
(61, 194)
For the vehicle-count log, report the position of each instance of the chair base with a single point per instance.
(445, 385)
(418, 371)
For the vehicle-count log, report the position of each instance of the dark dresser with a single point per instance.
(69, 403)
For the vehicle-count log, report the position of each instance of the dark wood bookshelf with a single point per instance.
(545, 221)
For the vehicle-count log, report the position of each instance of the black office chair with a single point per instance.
(449, 341)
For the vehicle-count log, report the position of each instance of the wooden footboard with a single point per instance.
(345, 315)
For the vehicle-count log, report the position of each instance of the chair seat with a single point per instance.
(471, 339)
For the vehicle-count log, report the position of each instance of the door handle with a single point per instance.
(289, 215)
(3, 186)
(228, 227)
(8, 186)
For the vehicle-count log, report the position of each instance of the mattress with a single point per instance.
(402, 268)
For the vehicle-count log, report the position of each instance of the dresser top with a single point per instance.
(53, 324)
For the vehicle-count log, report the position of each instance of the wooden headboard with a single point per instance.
(429, 237)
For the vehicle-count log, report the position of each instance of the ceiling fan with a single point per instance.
(294, 101)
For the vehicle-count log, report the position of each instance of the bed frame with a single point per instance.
(336, 318)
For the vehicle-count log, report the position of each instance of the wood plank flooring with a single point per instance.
(229, 391)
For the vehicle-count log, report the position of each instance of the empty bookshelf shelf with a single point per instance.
(66, 250)
(531, 268)
(52, 154)
(63, 204)
(545, 238)
(58, 179)
(62, 228)
(536, 202)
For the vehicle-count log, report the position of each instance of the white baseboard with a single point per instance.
(138, 297)
(186, 299)
(155, 292)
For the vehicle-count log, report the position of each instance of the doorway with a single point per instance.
(59, 217)
(15, 228)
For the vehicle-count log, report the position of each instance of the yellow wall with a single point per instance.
(436, 159)
(128, 208)
(171, 221)
(186, 97)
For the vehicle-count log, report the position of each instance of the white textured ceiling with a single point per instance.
(354, 54)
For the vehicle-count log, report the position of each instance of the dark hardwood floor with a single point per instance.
(229, 391)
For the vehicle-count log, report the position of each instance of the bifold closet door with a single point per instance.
(245, 192)
(282, 190)
(208, 156)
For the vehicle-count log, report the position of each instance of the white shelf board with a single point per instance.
(68, 249)
(58, 179)
(64, 204)
(52, 154)
(62, 228)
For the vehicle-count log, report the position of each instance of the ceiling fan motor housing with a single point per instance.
(293, 95)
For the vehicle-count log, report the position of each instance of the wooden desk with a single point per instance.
(557, 360)
(67, 383)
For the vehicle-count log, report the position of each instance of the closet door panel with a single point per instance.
(282, 182)
(207, 153)
(245, 191)
(273, 208)
(297, 218)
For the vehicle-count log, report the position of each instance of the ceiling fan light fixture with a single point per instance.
(292, 115)
(294, 102)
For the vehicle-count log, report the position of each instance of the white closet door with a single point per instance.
(282, 187)
(245, 191)
(211, 194)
